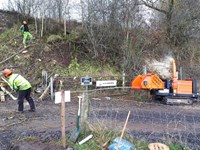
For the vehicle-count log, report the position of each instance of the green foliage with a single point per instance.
(74, 64)
(140, 144)
(177, 147)
(100, 140)
(73, 35)
(72, 70)
(10, 33)
(30, 139)
(4, 48)
(103, 138)
(141, 95)
(54, 38)
(88, 68)
(91, 144)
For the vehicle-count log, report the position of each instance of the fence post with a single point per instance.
(145, 69)
(181, 73)
(51, 88)
(84, 110)
(123, 80)
(44, 79)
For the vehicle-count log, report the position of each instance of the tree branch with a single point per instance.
(15, 54)
(153, 7)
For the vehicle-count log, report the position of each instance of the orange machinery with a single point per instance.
(171, 91)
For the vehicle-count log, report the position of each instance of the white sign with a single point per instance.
(58, 97)
(106, 83)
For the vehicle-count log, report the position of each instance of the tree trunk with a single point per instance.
(36, 27)
(42, 28)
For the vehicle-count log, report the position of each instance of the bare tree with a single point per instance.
(83, 6)
(24, 6)
(178, 16)
(109, 26)
(65, 4)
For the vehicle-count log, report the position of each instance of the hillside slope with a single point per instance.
(54, 53)
(36, 57)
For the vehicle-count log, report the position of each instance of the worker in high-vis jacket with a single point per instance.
(23, 87)
(25, 32)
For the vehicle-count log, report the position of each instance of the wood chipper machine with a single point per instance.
(170, 91)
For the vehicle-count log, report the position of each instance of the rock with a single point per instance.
(2, 123)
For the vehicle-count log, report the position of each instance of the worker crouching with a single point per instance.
(23, 87)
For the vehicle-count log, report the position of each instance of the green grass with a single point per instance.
(89, 68)
(10, 33)
(103, 139)
(54, 38)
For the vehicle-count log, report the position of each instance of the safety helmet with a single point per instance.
(7, 72)
(24, 22)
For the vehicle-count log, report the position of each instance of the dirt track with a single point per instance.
(149, 121)
(44, 124)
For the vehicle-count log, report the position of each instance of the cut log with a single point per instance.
(2, 96)
(7, 92)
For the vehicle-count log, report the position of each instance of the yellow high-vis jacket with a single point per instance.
(18, 83)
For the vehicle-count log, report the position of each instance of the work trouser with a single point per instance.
(25, 94)
(25, 36)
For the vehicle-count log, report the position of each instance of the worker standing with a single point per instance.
(23, 87)
(25, 32)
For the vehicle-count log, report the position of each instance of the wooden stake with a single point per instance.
(62, 113)
(63, 117)
(44, 94)
(123, 130)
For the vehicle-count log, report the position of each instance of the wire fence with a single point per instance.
(190, 72)
(148, 121)
(151, 122)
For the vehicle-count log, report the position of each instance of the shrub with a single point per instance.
(54, 38)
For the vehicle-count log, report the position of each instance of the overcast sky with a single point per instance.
(2, 3)
(75, 14)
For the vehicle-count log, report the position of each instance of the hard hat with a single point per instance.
(7, 72)
(24, 22)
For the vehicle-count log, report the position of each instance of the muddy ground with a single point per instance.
(152, 122)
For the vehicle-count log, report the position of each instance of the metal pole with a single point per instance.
(123, 80)
(51, 88)
(181, 73)
(44, 78)
(145, 69)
